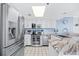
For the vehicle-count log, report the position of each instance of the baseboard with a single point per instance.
(27, 45)
(34, 46)
(44, 45)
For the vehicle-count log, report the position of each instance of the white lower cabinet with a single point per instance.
(27, 40)
(45, 40)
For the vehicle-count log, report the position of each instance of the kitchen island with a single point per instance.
(68, 45)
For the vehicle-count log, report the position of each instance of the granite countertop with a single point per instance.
(66, 45)
(58, 42)
(61, 39)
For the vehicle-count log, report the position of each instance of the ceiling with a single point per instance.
(53, 10)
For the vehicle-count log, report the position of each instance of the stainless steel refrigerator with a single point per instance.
(11, 31)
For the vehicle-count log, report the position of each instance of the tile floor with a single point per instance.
(36, 51)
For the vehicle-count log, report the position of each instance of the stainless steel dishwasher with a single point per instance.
(35, 40)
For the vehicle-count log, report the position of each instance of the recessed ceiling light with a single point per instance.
(38, 11)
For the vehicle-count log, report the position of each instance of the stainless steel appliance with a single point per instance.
(35, 40)
(36, 35)
(10, 42)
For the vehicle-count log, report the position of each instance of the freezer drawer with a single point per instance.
(12, 49)
(19, 52)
